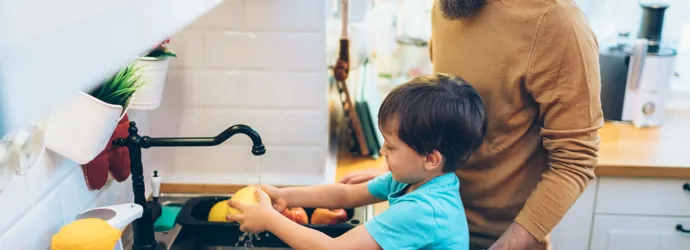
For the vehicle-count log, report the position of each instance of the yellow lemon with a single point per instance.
(219, 211)
(86, 234)
(246, 196)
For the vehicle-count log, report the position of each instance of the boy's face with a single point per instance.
(405, 164)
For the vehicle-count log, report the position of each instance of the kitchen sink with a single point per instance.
(193, 232)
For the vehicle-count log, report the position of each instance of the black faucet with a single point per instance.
(143, 227)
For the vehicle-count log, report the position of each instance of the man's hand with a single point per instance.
(515, 238)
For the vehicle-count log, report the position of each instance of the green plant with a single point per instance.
(118, 88)
(160, 51)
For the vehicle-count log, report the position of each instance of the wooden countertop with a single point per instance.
(662, 152)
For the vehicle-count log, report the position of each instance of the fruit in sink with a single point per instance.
(325, 216)
(296, 214)
(221, 209)
(246, 196)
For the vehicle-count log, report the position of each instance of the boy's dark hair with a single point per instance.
(436, 112)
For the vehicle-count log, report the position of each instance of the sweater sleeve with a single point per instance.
(563, 78)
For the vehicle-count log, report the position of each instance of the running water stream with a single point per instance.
(247, 238)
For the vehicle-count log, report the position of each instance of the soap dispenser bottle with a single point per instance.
(155, 186)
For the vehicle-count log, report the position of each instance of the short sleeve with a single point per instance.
(380, 187)
(409, 224)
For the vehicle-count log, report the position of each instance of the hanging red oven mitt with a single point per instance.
(113, 160)
(118, 157)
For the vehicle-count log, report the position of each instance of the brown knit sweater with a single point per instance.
(536, 65)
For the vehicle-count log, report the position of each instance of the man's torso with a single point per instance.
(491, 50)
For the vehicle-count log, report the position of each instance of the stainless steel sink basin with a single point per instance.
(179, 239)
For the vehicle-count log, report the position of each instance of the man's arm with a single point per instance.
(563, 78)
(329, 196)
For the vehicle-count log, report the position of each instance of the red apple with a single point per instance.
(324, 216)
(296, 214)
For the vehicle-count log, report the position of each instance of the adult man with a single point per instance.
(535, 64)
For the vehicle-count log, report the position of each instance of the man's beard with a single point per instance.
(457, 9)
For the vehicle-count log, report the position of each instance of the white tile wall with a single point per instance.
(36, 205)
(257, 62)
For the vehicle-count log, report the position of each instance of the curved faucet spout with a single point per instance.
(143, 227)
(258, 147)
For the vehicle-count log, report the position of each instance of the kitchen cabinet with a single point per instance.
(51, 49)
(626, 213)
(643, 196)
(637, 232)
(641, 214)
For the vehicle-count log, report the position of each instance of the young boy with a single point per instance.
(431, 125)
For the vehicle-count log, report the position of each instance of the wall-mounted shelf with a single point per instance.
(50, 49)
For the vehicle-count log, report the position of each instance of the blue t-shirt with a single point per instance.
(430, 217)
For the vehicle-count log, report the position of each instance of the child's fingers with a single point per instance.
(358, 179)
(271, 191)
(260, 197)
(235, 218)
(239, 205)
(280, 205)
(347, 178)
(244, 228)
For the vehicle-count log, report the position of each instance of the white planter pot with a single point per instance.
(81, 129)
(153, 72)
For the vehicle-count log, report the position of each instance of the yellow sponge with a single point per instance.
(86, 234)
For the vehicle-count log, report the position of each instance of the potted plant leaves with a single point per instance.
(81, 128)
(154, 68)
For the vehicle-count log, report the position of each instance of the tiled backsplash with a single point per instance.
(37, 204)
(257, 62)
(261, 63)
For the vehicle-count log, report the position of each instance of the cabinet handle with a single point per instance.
(686, 187)
(680, 228)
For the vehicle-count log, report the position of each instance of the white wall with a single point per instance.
(257, 62)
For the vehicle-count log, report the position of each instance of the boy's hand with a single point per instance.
(255, 218)
(277, 197)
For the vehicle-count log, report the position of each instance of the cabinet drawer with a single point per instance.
(643, 196)
(628, 232)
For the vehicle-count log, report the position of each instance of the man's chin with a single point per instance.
(458, 9)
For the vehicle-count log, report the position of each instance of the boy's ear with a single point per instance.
(433, 161)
